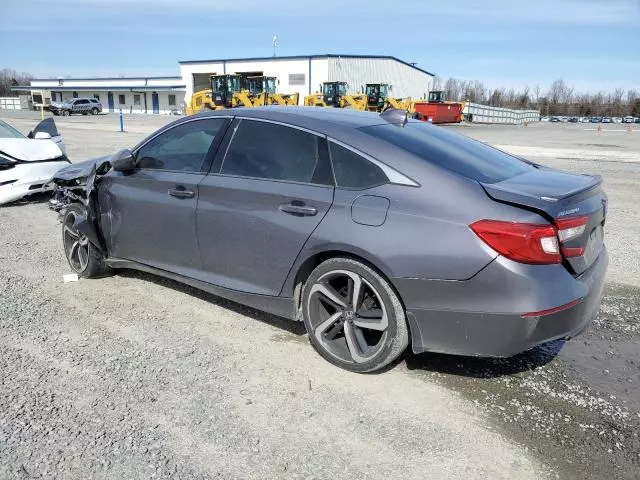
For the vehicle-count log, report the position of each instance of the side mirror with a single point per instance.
(123, 161)
(42, 136)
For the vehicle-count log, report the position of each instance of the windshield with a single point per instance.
(219, 83)
(234, 84)
(7, 131)
(270, 85)
(69, 100)
(372, 90)
(338, 89)
(454, 152)
(255, 85)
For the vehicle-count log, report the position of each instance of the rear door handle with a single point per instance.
(300, 209)
(181, 192)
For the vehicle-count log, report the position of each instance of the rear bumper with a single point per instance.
(483, 316)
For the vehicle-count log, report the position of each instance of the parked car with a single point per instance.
(27, 163)
(573, 120)
(596, 119)
(628, 119)
(70, 106)
(376, 231)
(544, 119)
(554, 119)
(637, 120)
(606, 119)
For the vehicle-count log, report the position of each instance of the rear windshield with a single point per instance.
(455, 152)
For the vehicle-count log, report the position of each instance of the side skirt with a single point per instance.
(281, 306)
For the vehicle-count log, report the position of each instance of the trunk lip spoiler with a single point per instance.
(596, 181)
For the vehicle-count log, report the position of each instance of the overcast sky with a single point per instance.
(592, 44)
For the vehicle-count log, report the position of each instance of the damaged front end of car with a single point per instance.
(77, 184)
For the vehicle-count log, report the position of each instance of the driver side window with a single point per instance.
(182, 148)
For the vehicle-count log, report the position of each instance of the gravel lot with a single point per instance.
(134, 376)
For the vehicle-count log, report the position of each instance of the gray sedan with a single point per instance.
(375, 231)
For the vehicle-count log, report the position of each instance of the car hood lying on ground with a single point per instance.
(29, 150)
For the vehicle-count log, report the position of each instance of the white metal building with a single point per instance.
(304, 74)
(129, 94)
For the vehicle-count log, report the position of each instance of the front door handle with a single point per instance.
(181, 192)
(298, 208)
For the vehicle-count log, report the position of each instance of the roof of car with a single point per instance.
(322, 120)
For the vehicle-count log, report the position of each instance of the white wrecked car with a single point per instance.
(27, 163)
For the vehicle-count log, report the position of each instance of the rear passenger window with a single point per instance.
(267, 150)
(354, 171)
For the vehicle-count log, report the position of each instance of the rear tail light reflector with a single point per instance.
(570, 228)
(550, 311)
(572, 251)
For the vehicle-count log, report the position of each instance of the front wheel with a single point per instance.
(65, 113)
(94, 111)
(353, 317)
(83, 257)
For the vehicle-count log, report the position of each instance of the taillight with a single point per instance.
(522, 242)
(568, 229)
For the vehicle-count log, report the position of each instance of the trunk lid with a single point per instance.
(559, 196)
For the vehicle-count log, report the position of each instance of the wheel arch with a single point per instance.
(305, 265)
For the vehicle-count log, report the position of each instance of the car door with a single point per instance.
(148, 215)
(270, 187)
(48, 125)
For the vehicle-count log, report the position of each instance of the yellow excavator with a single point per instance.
(334, 94)
(379, 99)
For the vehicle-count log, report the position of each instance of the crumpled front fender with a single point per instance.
(87, 228)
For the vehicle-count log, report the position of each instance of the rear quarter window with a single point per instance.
(354, 171)
(451, 151)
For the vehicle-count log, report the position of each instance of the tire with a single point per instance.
(83, 257)
(94, 111)
(65, 113)
(360, 342)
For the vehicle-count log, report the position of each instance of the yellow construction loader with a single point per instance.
(263, 90)
(334, 94)
(260, 88)
(224, 90)
(379, 99)
(199, 100)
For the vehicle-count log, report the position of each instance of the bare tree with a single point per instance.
(436, 83)
(11, 78)
(561, 99)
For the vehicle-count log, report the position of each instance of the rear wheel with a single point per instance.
(353, 317)
(83, 257)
